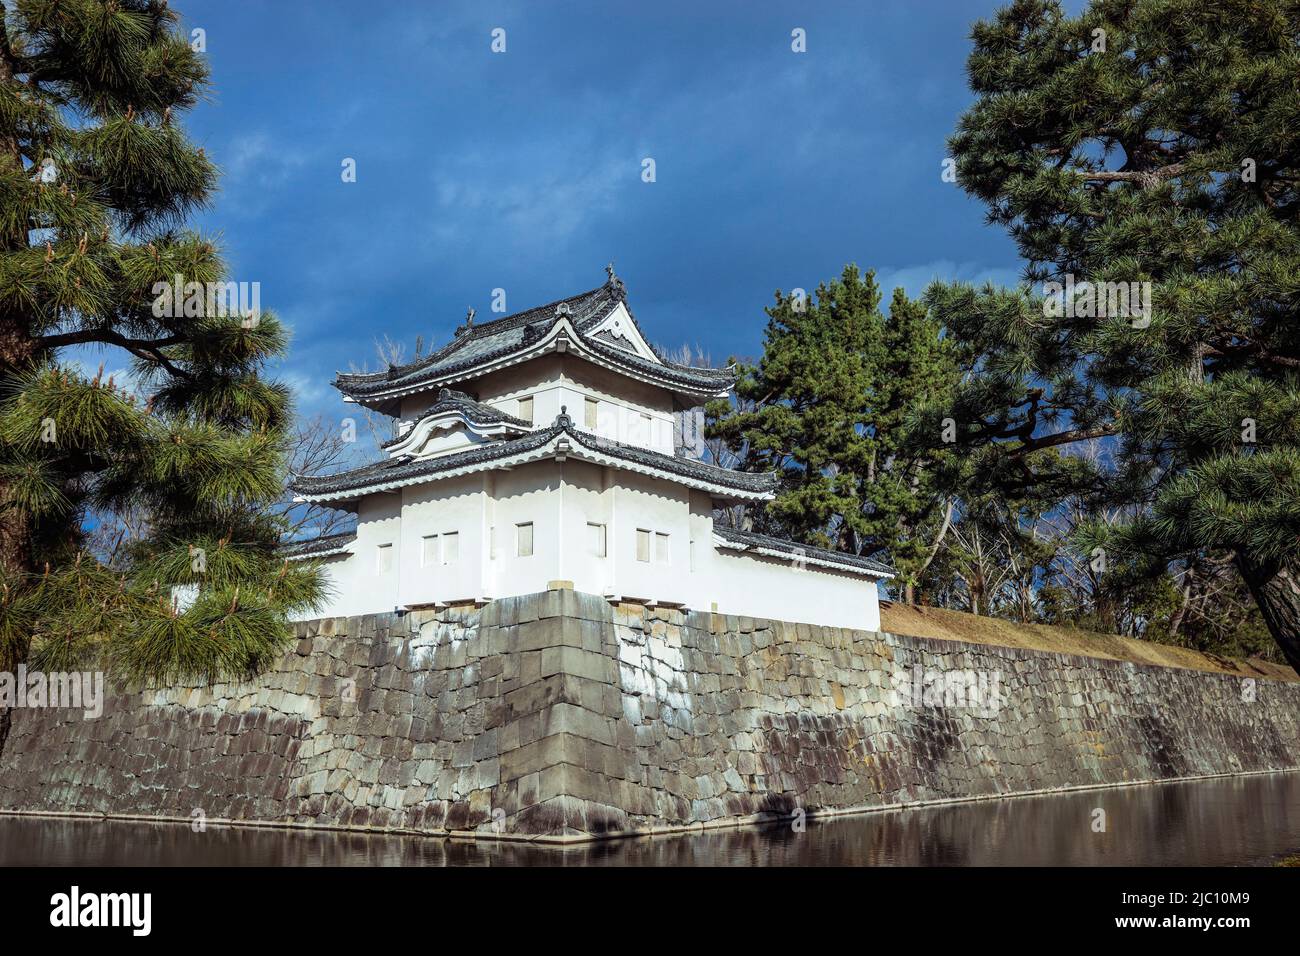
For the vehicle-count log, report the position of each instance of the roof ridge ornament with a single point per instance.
(562, 310)
(563, 420)
(614, 282)
(469, 322)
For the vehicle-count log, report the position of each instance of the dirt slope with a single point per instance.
(971, 628)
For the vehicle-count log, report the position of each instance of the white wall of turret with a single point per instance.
(600, 401)
(604, 530)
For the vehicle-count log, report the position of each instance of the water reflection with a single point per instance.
(1234, 821)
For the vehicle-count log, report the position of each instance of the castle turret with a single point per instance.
(545, 449)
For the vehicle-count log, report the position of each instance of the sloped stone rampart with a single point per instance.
(559, 716)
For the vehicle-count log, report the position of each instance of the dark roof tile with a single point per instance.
(451, 400)
(405, 468)
(752, 539)
(306, 547)
(477, 344)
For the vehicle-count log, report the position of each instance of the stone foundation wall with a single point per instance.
(559, 716)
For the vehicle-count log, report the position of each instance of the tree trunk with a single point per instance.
(17, 349)
(17, 352)
(1176, 622)
(18, 345)
(15, 525)
(1276, 589)
(975, 585)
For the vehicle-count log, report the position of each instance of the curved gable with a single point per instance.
(618, 329)
(452, 423)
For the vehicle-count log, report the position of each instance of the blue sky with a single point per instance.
(522, 170)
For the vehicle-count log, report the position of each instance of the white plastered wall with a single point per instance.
(627, 411)
(560, 499)
(356, 582)
(770, 587)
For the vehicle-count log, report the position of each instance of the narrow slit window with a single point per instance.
(524, 539)
(450, 547)
(596, 539)
(526, 408)
(661, 548)
(589, 416)
(429, 550)
(642, 544)
(384, 558)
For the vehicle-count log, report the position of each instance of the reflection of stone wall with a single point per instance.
(1227, 821)
(556, 714)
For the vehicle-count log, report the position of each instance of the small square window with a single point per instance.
(526, 408)
(642, 544)
(590, 408)
(524, 540)
(384, 558)
(429, 550)
(492, 542)
(596, 539)
(661, 548)
(450, 547)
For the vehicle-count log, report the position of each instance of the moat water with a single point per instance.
(1240, 821)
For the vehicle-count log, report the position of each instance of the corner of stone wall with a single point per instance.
(572, 725)
(557, 712)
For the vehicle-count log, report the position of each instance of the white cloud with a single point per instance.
(915, 278)
(552, 203)
(254, 167)
(311, 393)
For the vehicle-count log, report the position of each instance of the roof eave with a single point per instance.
(562, 337)
(489, 428)
(312, 555)
(850, 567)
(551, 450)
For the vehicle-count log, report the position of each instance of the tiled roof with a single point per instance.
(451, 400)
(403, 469)
(312, 547)
(751, 539)
(477, 344)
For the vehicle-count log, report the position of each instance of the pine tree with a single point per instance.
(906, 511)
(829, 406)
(809, 389)
(96, 180)
(1154, 141)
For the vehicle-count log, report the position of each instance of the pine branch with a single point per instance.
(147, 349)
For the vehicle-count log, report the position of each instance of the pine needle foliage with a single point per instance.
(97, 178)
(1144, 141)
(830, 406)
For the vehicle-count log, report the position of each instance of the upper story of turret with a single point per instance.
(584, 354)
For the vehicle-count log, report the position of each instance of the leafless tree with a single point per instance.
(982, 563)
(318, 446)
(379, 427)
(113, 533)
